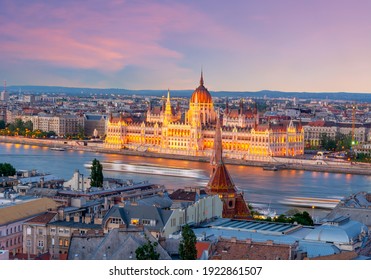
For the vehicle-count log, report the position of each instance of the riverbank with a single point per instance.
(281, 162)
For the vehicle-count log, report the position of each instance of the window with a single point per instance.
(52, 230)
(41, 243)
(60, 242)
(40, 231)
(116, 221)
(134, 221)
(66, 230)
(66, 243)
(61, 230)
(148, 222)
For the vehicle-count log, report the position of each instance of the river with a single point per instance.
(259, 186)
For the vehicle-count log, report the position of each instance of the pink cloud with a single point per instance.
(105, 36)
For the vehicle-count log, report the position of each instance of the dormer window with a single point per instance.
(148, 222)
(117, 221)
(134, 221)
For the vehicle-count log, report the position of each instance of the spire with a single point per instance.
(168, 103)
(220, 182)
(226, 107)
(202, 78)
(168, 95)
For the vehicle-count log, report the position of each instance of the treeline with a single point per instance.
(21, 128)
(6, 169)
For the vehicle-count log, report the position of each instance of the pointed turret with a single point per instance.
(202, 78)
(168, 103)
(168, 112)
(221, 183)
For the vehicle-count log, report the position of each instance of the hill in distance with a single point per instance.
(359, 97)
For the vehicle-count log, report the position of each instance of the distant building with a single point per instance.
(61, 125)
(4, 95)
(314, 131)
(164, 131)
(3, 113)
(29, 98)
(95, 122)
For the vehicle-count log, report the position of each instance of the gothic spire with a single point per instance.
(202, 78)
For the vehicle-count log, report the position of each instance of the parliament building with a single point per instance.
(165, 130)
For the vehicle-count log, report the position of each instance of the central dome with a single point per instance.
(201, 94)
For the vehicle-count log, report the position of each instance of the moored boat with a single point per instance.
(270, 168)
(57, 149)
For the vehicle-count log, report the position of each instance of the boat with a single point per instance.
(57, 149)
(270, 168)
(311, 202)
(153, 169)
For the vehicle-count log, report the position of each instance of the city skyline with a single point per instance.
(311, 46)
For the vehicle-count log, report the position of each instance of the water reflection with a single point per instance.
(258, 185)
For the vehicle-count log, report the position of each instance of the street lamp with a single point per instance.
(313, 212)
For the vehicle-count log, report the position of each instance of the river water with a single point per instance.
(259, 186)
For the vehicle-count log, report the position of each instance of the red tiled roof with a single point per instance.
(317, 123)
(182, 195)
(221, 181)
(202, 246)
(42, 218)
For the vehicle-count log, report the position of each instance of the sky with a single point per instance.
(241, 45)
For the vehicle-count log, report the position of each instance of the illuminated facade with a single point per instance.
(242, 136)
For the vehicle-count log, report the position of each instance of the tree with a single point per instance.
(96, 174)
(327, 142)
(2, 124)
(28, 125)
(147, 251)
(6, 169)
(303, 219)
(187, 246)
